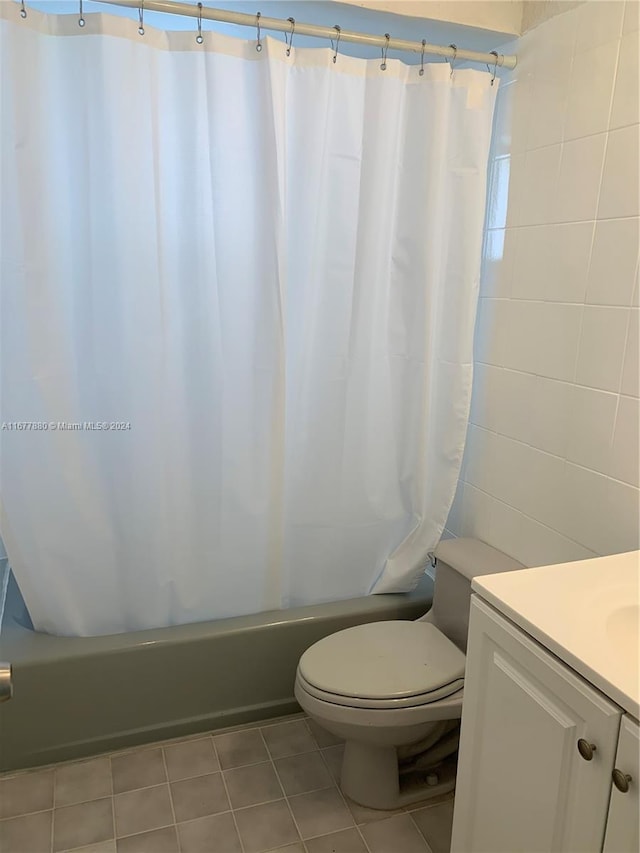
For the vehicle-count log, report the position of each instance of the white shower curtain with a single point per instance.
(264, 271)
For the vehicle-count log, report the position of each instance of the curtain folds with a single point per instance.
(266, 269)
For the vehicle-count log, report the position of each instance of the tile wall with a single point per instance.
(551, 465)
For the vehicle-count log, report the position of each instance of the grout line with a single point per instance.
(113, 817)
(527, 300)
(113, 804)
(624, 358)
(243, 766)
(173, 811)
(554, 379)
(313, 737)
(155, 785)
(558, 222)
(554, 456)
(54, 807)
(191, 820)
(286, 799)
(224, 782)
(53, 810)
(535, 520)
(134, 834)
(428, 846)
(364, 840)
(608, 129)
(353, 818)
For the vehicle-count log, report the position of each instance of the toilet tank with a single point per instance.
(458, 561)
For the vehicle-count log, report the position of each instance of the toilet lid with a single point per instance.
(383, 660)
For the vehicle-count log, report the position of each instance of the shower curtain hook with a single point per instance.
(495, 65)
(141, 18)
(421, 72)
(453, 58)
(383, 64)
(81, 20)
(199, 38)
(258, 42)
(337, 44)
(292, 21)
(23, 11)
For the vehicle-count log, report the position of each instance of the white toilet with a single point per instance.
(393, 690)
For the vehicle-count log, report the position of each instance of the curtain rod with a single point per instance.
(266, 23)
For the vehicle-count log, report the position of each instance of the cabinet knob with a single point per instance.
(621, 780)
(586, 749)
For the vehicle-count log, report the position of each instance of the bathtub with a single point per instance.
(75, 697)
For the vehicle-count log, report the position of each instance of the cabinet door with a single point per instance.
(623, 835)
(522, 786)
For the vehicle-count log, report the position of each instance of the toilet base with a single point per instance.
(370, 777)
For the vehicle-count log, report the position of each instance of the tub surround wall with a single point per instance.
(551, 464)
(535, 12)
(501, 15)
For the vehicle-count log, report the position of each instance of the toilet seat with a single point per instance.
(383, 665)
(382, 704)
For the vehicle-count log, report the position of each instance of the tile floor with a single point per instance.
(245, 790)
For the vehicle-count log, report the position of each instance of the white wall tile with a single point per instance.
(614, 262)
(502, 526)
(580, 170)
(497, 261)
(516, 189)
(597, 22)
(544, 338)
(502, 143)
(602, 344)
(543, 546)
(476, 514)
(591, 91)
(520, 94)
(505, 190)
(548, 103)
(626, 98)
(551, 466)
(600, 513)
(503, 401)
(539, 184)
(631, 16)
(551, 262)
(493, 331)
(509, 530)
(549, 414)
(551, 45)
(482, 470)
(522, 406)
(619, 195)
(533, 475)
(624, 463)
(630, 379)
(538, 545)
(454, 520)
(481, 451)
(520, 475)
(592, 421)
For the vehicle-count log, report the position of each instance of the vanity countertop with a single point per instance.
(584, 612)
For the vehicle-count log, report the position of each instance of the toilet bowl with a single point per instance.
(393, 690)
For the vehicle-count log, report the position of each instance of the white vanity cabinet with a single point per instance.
(537, 750)
(623, 833)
